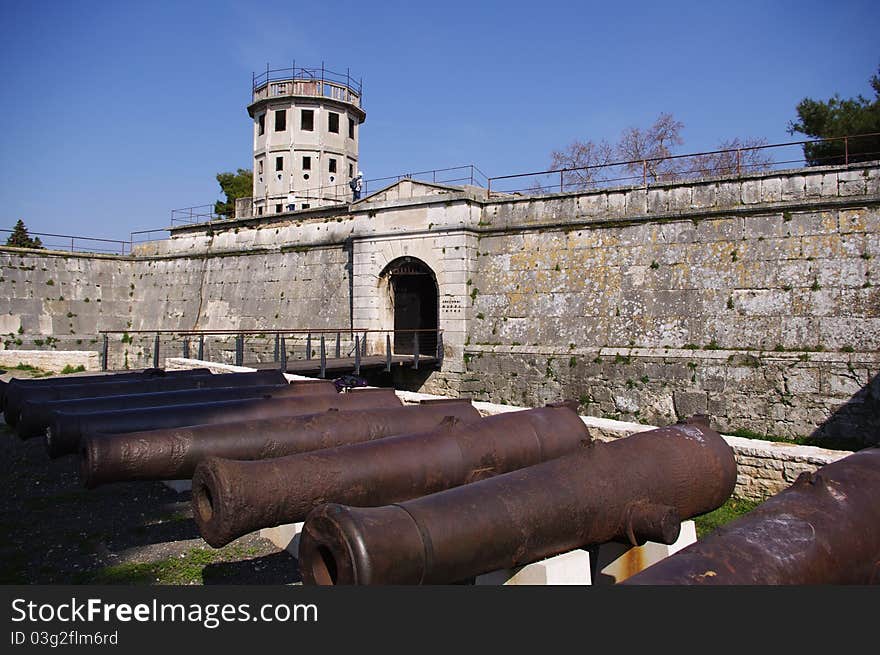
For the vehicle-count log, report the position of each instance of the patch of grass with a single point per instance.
(572, 362)
(72, 369)
(620, 359)
(815, 286)
(730, 303)
(712, 345)
(171, 571)
(654, 264)
(847, 349)
(50, 282)
(732, 509)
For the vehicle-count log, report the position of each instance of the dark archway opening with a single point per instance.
(414, 300)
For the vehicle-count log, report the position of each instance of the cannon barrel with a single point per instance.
(172, 454)
(101, 389)
(34, 383)
(633, 489)
(231, 498)
(36, 415)
(823, 529)
(63, 436)
(19, 388)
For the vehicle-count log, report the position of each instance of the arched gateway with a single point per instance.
(414, 301)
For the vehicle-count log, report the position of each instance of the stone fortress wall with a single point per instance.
(754, 299)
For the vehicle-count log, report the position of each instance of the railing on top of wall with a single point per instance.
(414, 344)
(76, 243)
(737, 162)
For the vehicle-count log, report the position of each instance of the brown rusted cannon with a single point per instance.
(633, 489)
(823, 529)
(232, 498)
(172, 454)
(63, 436)
(100, 389)
(36, 416)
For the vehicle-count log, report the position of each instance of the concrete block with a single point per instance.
(617, 562)
(285, 536)
(180, 486)
(571, 568)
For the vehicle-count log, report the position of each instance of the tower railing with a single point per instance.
(297, 80)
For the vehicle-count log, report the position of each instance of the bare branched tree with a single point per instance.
(585, 156)
(650, 149)
(736, 156)
(649, 154)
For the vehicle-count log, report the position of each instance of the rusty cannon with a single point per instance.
(231, 498)
(172, 454)
(823, 529)
(123, 387)
(635, 489)
(23, 388)
(63, 436)
(36, 415)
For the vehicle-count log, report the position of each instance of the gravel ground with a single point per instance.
(57, 532)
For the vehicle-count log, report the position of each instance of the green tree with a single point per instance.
(838, 117)
(21, 239)
(233, 185)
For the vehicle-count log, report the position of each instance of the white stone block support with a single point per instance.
(571, 568)
(616, 562)
(180, 486)
(286, 536)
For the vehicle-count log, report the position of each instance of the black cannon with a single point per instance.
(123, 387)
(823, 529)
(63, 436)
(634, 489)
(36, 415)
(172, 453)
(232, 498)
(18, 387)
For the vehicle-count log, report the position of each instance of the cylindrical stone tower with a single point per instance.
(306, 125)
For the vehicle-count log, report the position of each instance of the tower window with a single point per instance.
(307, 163)
(333, 122)
(307, 118)
(277, 209)
(260, 166)
(350, 128)
(350, 170)
(280, 120)
(259, 211)
(261, 124)
(279, 163)
(332, 165)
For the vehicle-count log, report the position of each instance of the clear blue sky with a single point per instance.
(114, 113)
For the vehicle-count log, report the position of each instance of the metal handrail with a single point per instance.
(357, 336)
(120, 249)
(633, 163)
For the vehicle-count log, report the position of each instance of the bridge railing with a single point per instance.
(279, 346)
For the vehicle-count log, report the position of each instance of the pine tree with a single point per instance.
(840, 117)
(21, 239)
